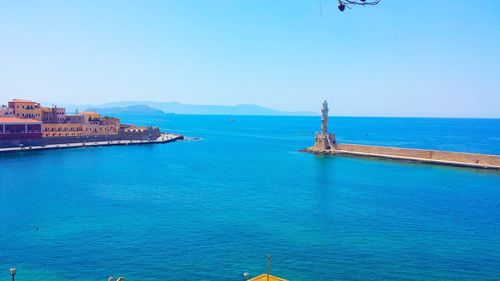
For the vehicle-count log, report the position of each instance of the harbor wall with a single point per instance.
(17, 143)
(143, 136)
(422, 154)
(163, 138)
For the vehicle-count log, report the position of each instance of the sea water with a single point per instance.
(214, 208)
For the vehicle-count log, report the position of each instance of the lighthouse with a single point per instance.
(324, 118)
(324, 140)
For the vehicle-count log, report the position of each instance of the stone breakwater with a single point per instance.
(414, 155)
(163, 138)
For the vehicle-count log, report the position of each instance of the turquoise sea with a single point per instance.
(213, 209)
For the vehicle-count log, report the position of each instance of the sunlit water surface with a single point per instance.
(215, 208)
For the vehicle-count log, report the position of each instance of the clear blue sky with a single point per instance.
(401, 58)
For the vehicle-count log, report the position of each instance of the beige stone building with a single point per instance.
(62, 130)
(6, 111)
(26, 109)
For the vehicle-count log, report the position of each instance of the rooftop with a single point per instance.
(20, 100)
(89, 113)
(266, 277)
(14, 120)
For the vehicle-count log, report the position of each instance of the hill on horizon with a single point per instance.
(150, 107)
(134, 109)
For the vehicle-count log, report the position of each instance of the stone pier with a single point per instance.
(325, 143)
(472, 160)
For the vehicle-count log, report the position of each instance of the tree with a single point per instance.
(348, 3)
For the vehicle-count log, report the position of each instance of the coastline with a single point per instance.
(164, 138)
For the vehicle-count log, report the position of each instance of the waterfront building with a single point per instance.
(57, 124)
(130, 131)
(75, 119)
(91, 117)
(29, 121)
(6, 111)
(99, 129)
(53, 115)
(133, 129)
(94, 124)
(61, 130)
(26, 109)
(19, 129)
(111, 121)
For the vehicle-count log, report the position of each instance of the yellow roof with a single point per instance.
(91, 114)
(263, 277)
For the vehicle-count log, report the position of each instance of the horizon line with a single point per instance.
(286, 112)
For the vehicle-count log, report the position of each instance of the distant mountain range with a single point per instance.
(149, 107)
(134, 109)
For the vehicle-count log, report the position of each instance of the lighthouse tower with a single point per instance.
(324, 140)
(324, 118)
